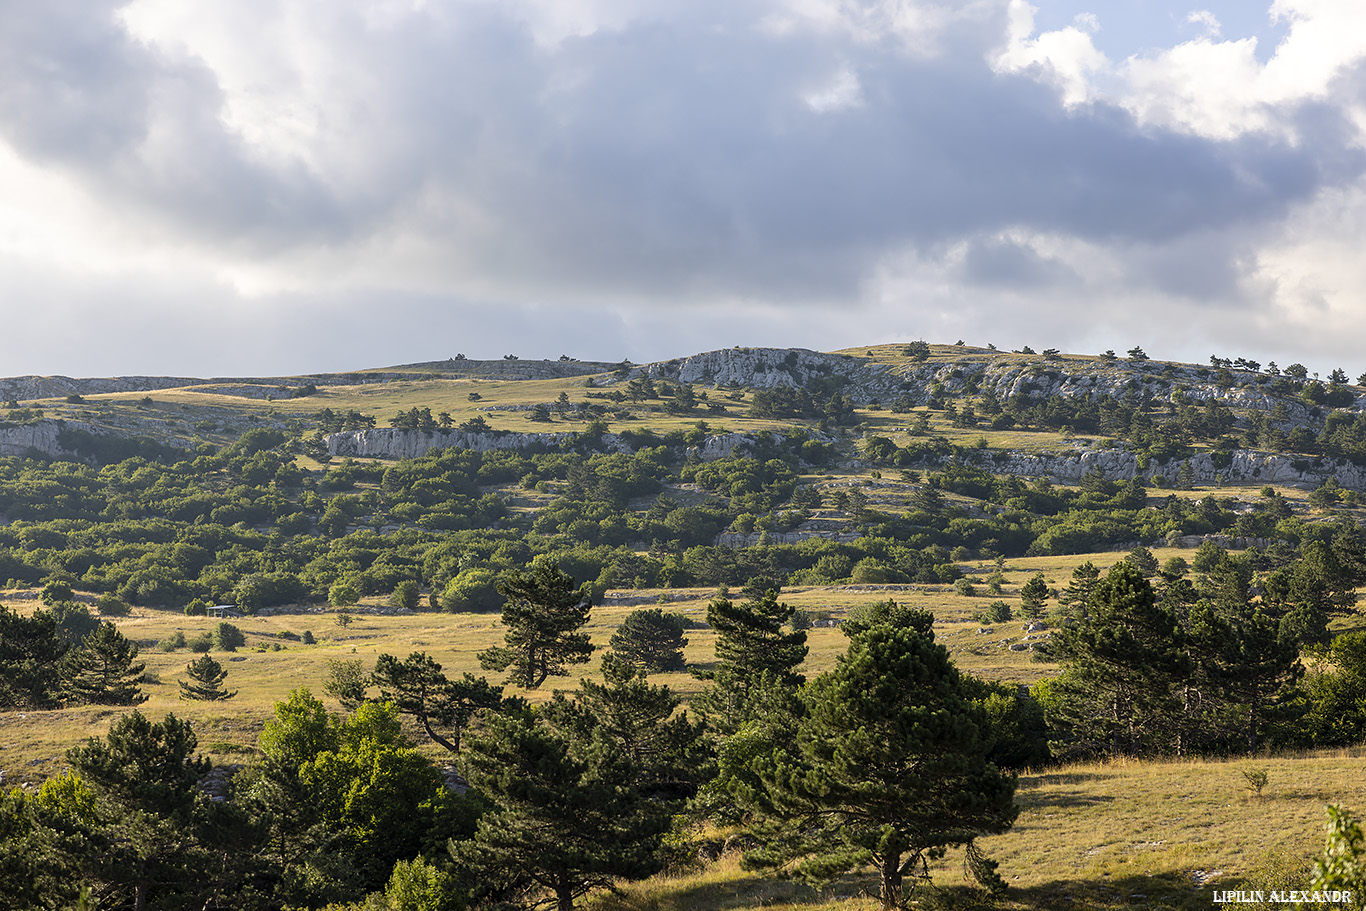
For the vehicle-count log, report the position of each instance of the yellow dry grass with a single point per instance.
(1150, 834)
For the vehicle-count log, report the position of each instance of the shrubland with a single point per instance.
(862, 619)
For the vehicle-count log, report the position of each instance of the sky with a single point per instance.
(273, 187)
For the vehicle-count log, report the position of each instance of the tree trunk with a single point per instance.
(427, 726)
(1185, 717)
(564, 897)
(891, 882)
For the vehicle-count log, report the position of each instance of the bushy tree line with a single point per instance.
(45, 662)
(1155, 663)
(245, 525)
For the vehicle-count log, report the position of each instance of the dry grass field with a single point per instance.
(32, 744)
(1154, 834)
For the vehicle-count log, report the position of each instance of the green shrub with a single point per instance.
(228, 638)
(286, 634)
(996, 612)
(406, 594)
(201, 643)
(308, 637)
(56, 591)
(472, 590)
(172, 642)
(113, 606)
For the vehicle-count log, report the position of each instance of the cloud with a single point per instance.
(1206, 21)
(598, 175)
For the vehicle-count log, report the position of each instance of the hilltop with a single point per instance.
(1040, 415)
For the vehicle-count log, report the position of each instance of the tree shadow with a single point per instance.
(1031, 800)
(1049, 778)
(1162, 892)
(748, 890)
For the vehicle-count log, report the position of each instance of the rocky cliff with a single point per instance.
(42, 437)
(1242, 466)
(766, 368)
(388, 443)
(975, 372)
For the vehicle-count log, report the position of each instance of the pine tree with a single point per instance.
(101, 670)
(206, 681)
(1033, 596)
(756, 660)
(650, 640)
(153, 845)
(888, 769)
(1142, 560)
(417, 687)
(30, 651)
(1077, 595)
(566, 818)
(544, 614)
(635, 719)
(864, 617)
(1120, 668)
(1251, 666)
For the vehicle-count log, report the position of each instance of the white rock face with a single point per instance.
(388, 443)
(52, 387)
(41, 436)
(768, 368)
(723, 446)
(1246, 466)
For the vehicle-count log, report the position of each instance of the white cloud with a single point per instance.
(1066, 58)
(1207, 22)
(843, 91)
(1209, 87)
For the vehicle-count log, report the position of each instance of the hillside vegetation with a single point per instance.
(1138, 570)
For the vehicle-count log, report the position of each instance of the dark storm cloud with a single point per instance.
(1009, 264)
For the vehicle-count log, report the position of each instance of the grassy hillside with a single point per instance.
(897, 496)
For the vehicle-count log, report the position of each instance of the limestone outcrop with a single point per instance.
(767, 368)
(1241, 466)
(388, 443)
(42, 437)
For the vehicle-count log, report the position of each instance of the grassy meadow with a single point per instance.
(1104, 835)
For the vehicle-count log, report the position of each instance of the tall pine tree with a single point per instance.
(756, 660)
(101, 670)
(544, 614)
(206, 681)
(1121, 666)
(888, 770)
(566, 817)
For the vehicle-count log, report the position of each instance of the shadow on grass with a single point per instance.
(745, 890)
(1041, 779)
(1165, 892)
(1033, 800)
